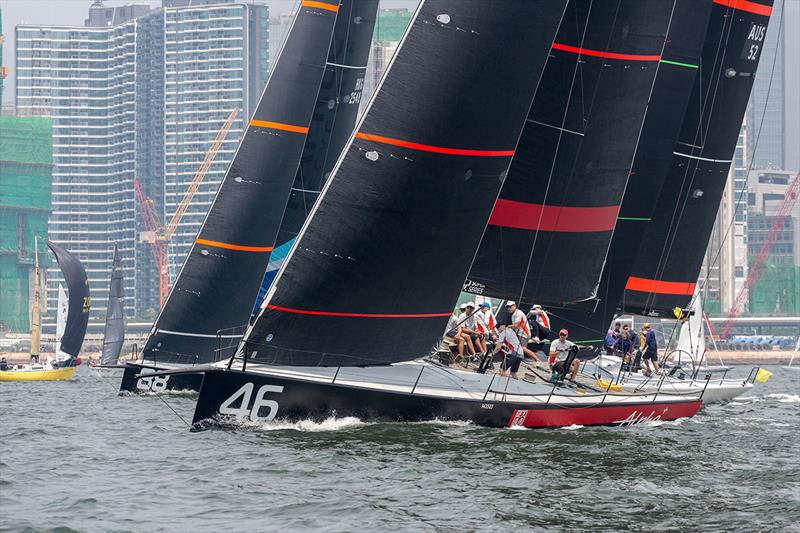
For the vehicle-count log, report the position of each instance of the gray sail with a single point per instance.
(114, 334)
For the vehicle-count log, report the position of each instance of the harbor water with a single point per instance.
(75, 456)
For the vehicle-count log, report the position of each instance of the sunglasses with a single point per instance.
(562, 334)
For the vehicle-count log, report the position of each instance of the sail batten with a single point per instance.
(381, 259)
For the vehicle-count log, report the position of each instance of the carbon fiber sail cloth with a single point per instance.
(381, 260)
(671, 255)
(549, 233)
(79, 300)
(222, 273)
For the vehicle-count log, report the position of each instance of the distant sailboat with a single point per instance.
(114, 334)
(74, 326)
(796, 351)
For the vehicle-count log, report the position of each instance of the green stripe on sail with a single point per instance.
(679, 64)
(641, 219)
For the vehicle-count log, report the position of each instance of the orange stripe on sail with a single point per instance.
(278, 126)
(238, 247)
(746, 5)
(660, 287)
(322, 5)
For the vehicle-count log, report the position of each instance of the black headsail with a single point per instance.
(331, 125)
(114, 334)
(381, 260)
(677, 70)
(79, 301)
(550, 230)
(220, 278)
(670, 257)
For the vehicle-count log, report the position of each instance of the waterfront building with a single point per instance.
(777, 292)
(26, 149)
(138, 94)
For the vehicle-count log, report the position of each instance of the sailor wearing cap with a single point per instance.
(468, 320)
(519, 323)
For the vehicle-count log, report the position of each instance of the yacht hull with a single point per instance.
(56, 374)
(234, 395)
(131, 384)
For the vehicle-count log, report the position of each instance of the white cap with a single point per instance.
(462, 306)
(510, 303)
(471, 304)
(537, 306)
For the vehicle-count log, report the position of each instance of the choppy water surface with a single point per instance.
(75, 456)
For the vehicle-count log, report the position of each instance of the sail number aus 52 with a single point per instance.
(245, 410)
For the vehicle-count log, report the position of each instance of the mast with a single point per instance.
(379, 263)
(670, 257)
(550, 230)
(222, 273)
(114, 334)
(36, 316)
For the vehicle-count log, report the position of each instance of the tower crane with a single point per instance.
(159, 235)
(757, 267)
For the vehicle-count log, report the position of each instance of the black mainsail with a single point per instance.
(549, 233)
(220, 278)
(675, 80)
(331, 125)
(381, 259)
(671, 255)
(114, 334)
(79, 301)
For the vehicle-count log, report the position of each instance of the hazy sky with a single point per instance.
(73, 13)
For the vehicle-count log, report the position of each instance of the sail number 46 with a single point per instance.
(245, 410)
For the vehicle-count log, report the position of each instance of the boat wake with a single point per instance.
(785, 398)
(780, 396)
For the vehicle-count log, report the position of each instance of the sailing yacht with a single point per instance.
(366, 291)
(114, 332)
(304, 118)
(74, 327)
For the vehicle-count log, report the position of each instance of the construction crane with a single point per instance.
(159, 235)
(757, 267)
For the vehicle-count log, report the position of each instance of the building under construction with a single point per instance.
(26, 178)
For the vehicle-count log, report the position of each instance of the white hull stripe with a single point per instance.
(346, 66)
(204, 335)
(554, 127)
(703, 158)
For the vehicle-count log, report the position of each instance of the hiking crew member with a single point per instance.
(519, 323)
(508, 338)
(650, 349)
(559, 349)
(468, 321)
(541, 320)
(485, 322)
(454, 331)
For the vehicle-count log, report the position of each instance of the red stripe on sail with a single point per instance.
(359, 315)
(681, 288)
(435, 149)
(600, 53)
(746, 5)
(522, 215)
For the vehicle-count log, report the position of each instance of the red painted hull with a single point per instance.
(602, 415)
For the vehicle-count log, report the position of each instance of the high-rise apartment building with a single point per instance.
(138, 94)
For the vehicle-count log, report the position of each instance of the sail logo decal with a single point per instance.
(746, 5)
(237, 247)
(607, 55)
(538, 217)
(357, 315)
(278, 126)
(433, 149)
(473, 287)
(245, 410)
(679, 288)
